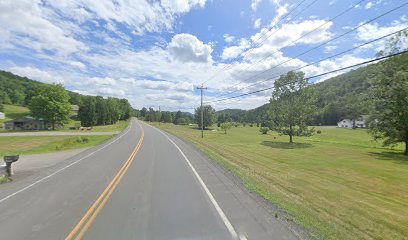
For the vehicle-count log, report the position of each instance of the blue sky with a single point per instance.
(155, 53)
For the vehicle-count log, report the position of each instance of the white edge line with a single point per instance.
(207, 191)
(62, 169)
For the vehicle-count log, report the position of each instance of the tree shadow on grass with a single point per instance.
(286, 145)
(397, 157)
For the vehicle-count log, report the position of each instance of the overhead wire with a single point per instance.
(314, 48)
(306, 34)
(245, 53)
(316, 76)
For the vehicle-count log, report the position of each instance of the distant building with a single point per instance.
(25, 123)
(348, 123)
(2, 115)
(74, 110)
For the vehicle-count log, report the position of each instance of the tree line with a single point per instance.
(177, 118)
(52, 102)
(95, 111)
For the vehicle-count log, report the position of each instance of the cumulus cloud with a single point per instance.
(235, 51)
(141, 16)
(36, 74)
(288, 33)
(372, 31)
(280, 11)
(26, 24)
(257, 23)
(254, 4)
(228, 38)
(187, 48)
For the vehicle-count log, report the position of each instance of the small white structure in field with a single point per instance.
(348, 123)
(2, 115)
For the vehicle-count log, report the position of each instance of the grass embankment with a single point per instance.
(45, 144)
(119, 126)
(338, 184)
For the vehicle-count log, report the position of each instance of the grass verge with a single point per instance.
(45, 144)
(338, 184)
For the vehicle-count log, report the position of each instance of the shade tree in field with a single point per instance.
(389, 94)
(226, 126)
(208, 116)
(292, 105)
(51, 104)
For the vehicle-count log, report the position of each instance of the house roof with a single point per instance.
(25, 119)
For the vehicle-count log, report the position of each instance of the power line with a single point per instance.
(313, 63)
(315, 76)
(270, 34)
(306, 34)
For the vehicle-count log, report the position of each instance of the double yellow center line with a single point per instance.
(83, 225)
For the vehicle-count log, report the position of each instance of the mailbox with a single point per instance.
(9, 160)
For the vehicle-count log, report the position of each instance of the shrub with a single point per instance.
(244, 124)
(251, 124)
(264, 130)
(318, 131)
(218, 124)
(257, 124)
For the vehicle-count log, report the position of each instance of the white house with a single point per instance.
(2, 115)
(348, 123)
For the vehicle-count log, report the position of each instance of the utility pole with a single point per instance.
(202, 110)
(160, 116)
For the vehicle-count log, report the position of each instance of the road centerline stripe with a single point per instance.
(86, 221)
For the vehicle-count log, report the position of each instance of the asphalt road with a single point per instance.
(143, 184)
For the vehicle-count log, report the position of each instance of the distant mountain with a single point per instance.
(335, 95)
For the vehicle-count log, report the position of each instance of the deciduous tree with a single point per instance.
(51, 104)
(292, 105)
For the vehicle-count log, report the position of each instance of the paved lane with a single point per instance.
(51, 207)
(169, 191)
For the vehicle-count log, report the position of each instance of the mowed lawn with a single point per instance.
(338, 184)
(45, 144)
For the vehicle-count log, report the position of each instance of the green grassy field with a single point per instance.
(119, 126)
(338, 184)
(45, 144)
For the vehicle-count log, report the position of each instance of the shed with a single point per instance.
(25, 123)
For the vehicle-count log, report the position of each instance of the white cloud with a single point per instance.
(141, 16)
(36, 74)
(330, 65)
(187, 48)
(288, 33)
(257, 23)
(254, 4)
(282, 10)
(228, 38)
(25, 24)
(235, 51)
(372, 31)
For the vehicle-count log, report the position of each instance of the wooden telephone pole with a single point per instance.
(202, 110)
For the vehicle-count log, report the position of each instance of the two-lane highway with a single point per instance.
(144, 184)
